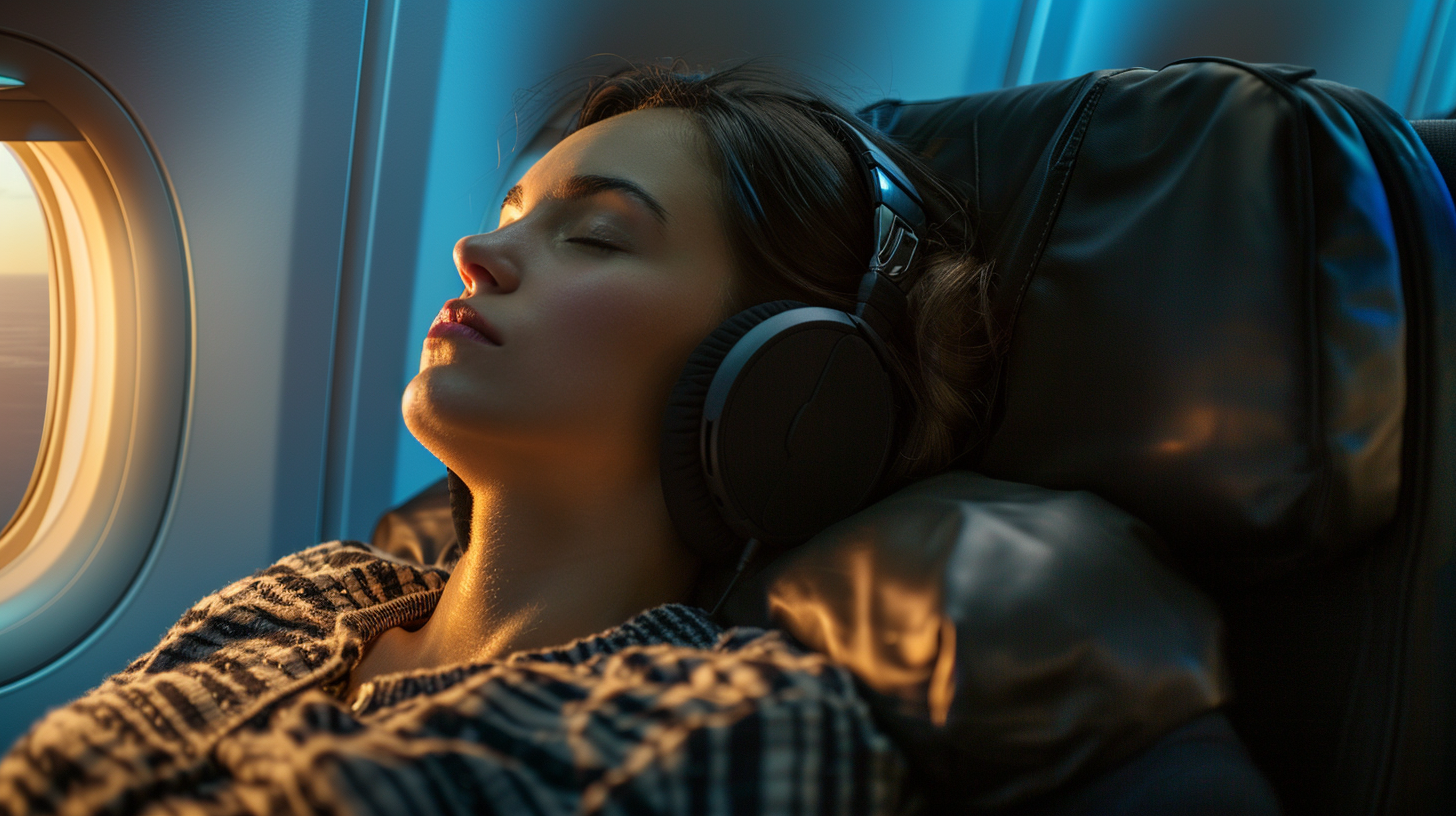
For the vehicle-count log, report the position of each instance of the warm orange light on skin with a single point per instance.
(592, 338)
(546, 395)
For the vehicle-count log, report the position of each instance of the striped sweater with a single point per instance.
(238, 711)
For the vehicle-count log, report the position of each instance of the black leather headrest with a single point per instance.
(1203, 273)
(1010, 638)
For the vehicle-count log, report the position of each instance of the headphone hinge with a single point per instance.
(881, 304)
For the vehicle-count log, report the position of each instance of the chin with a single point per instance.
(440, 407)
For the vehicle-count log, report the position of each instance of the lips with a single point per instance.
(457, 319)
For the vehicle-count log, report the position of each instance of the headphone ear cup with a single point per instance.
(690, 502)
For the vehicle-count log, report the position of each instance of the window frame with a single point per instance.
(121, 357)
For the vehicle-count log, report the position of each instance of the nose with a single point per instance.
(484, 266)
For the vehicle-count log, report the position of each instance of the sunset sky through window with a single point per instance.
(22, 227)
(24, 331)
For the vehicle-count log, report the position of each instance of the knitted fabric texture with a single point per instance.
(237, 711)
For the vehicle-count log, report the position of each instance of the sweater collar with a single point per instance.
(669, 624)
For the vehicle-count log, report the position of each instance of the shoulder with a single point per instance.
(335, 559)
(226, 655)
(297, 598)
(335, 576)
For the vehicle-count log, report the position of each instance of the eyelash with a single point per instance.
(595, 243)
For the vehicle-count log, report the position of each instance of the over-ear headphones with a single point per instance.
(783, 420)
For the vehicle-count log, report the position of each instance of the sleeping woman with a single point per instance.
(561, 664)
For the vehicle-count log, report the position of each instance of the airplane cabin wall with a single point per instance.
(249, 109)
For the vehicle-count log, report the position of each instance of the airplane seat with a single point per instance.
(1232, 290)
(1230, 297)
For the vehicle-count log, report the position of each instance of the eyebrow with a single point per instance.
(578, 187)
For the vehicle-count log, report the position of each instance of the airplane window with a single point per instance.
(25, 329)
(94, 358)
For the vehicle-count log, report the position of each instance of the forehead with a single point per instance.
(658, 148)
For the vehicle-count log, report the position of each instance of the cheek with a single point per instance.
(635, 327)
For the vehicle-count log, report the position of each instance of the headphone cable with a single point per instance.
(748, 552)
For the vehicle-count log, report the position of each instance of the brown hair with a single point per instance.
(798, 220)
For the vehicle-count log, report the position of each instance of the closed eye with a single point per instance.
(596, 244)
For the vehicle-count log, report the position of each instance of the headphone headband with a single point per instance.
(899, 213)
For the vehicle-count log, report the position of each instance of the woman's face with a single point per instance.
(610, 264)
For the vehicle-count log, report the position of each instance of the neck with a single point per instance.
(551, 563)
